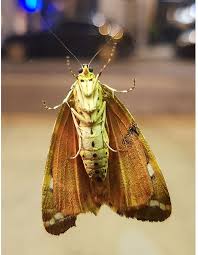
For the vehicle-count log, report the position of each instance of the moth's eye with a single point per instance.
(80, 70)
(82, 80)
(90, 79)
(91, 70)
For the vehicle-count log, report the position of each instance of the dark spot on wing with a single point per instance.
(133, 130)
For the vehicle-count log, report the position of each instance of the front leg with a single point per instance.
(90, 121)
(104, 119)
(59, 105)
(120, 91)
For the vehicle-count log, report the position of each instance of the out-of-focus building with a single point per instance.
(145, 21)
(132, 15)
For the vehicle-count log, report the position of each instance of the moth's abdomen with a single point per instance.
(94, 151)
(95, 162)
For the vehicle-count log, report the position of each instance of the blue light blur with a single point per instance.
(31, 5)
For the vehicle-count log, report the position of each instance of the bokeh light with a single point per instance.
(105, 29)
(31, 5)
(98, 19)
(116, 32)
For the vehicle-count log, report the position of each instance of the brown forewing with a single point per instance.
(130, 183)
(133, 190)
(71, 188)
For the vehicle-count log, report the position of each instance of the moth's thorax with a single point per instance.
(87, 96)
(87, 86)
(87, 82)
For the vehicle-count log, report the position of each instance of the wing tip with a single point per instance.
(146, 213)
(59, 226)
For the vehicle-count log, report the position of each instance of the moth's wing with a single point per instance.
(133, 192)
(66, 187)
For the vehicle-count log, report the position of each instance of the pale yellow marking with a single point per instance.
(51, 184)
(150, 170)
(154, 203)
(52, 221)
(58, 216)
(162, 206)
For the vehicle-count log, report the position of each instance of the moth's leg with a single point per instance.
(50, 108)
(78, 116)
(81, 118)
(101, 112)
(59, 105)
(121, 91)
(79, 136)
(76, 125)
(78, 152)
(104, 117)
(109, 146)
(96, 80)
(103, 127)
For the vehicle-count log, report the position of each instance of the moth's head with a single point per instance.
(86, 80)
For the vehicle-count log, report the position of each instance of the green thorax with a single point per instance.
(87, 93)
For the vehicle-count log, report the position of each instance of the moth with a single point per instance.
(98, 155)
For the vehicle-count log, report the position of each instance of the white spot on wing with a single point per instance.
(58, 216)
(52, 221)
(150, 170)
(154, 203)
(51, 184)
(162, 206)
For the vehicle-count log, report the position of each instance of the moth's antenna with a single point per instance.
(69, 67)
(110, 58)
(110, 39)
(60, 41)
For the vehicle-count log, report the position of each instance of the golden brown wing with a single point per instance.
(66, 187)
(134, 192)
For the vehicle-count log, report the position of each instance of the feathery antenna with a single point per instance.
(109, 40)
(69, 67)
(110, 58)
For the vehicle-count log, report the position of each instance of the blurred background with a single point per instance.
(156, 45)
